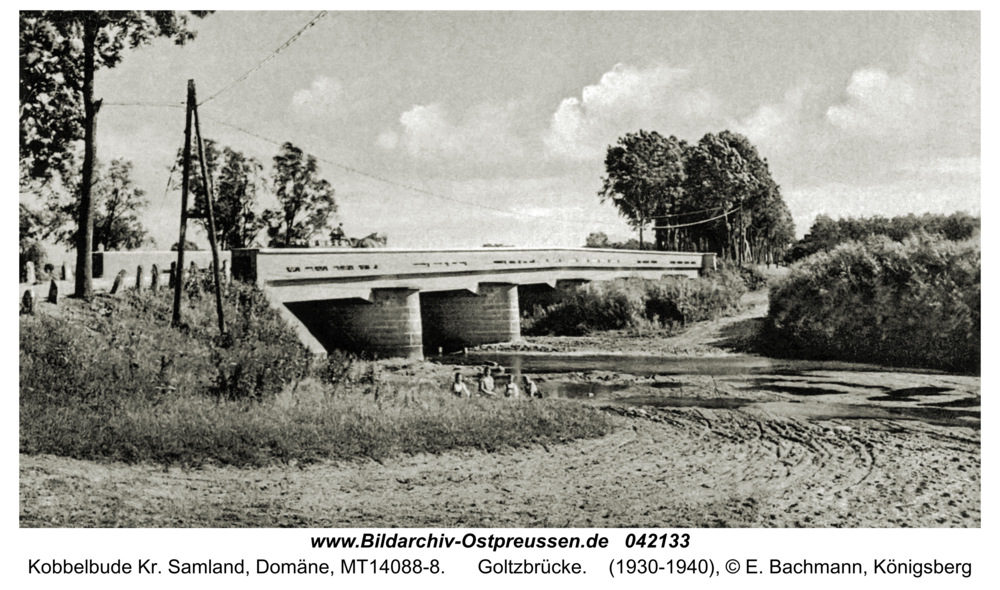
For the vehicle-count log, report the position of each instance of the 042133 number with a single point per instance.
(654, 541)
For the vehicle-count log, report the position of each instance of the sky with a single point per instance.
(457, 129)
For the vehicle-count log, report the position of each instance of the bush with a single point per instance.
(121, 384)
(753, 277)
(34, 253)
(639, 303)
(913, 303)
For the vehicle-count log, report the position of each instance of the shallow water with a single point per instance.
(765, 374)
(648, 365)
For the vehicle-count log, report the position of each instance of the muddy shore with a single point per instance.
(817, 447)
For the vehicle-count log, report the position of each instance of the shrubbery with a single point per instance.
(636, 303)
(117, 382)
(913, 303)
(753, 277)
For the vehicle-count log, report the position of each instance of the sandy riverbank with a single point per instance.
(813, 448)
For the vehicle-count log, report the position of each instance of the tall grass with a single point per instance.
(121, 384)
(636, 303)
(913, 303)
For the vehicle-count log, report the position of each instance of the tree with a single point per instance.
(720, 177)
(189, 246)
(645, 172)
(306, 200)
(30, 232)
(597, 239)
(60, 51)
(50, 77)
(238, 180)
(117, 203)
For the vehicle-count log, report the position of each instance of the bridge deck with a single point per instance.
(331, 273)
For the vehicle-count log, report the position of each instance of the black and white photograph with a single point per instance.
(472, 271)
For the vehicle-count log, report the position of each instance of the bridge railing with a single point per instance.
(338, 264)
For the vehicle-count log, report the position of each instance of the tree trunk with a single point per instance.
(85, 216)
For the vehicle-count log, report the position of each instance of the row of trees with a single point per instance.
(826, 233)
(715, 195)
(599, 239)
(305, 203)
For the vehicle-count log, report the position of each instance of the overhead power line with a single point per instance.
(274, 54)
(179, 105)
(697, 222)
(686, 213)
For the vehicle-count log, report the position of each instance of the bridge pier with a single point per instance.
(461, 318)
(388, 324)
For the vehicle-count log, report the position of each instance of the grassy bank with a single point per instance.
(915, 303)
(113, 380)
(639, 304)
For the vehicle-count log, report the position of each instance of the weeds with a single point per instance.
(123, 385)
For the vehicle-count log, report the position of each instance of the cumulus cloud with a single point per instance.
(484, 134)
(775, 127)
(879, 105)
(625, 98)
(321, 96)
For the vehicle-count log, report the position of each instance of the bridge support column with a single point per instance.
(387, 325)
(457, 318)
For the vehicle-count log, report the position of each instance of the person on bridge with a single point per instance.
(337, 235)
(459, 388)
(486, 383)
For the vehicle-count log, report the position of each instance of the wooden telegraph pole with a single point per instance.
(211, 220)
(192, 112)
(185, 177)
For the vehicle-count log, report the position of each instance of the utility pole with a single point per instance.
(185, 177)
(207, 183)
(192, 112)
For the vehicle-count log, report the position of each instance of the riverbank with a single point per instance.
(812, 447)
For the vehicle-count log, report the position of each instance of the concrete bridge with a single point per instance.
(395, 302)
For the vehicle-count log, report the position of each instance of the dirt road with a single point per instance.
(815, 448)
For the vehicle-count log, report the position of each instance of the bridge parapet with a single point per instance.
(311, 274)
